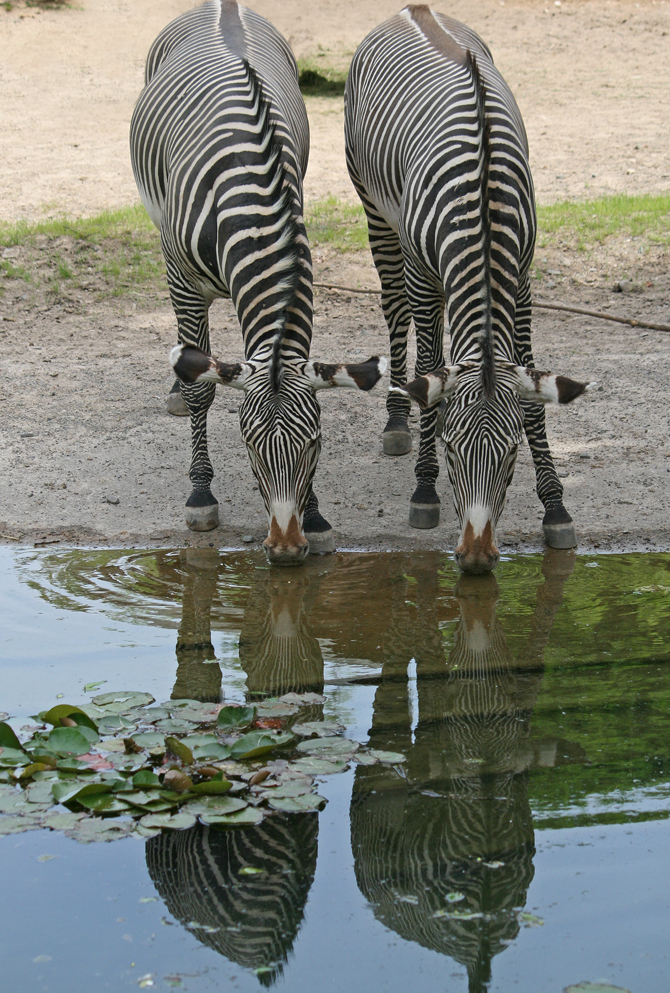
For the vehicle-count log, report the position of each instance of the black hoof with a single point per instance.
(558, 529)
(424, 507)
(202, 511)
(175, 402)
(396, 439)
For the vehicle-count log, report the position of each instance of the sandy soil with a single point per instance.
(82, 417)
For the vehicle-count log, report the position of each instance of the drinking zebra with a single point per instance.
(437, 151)
(219, 144)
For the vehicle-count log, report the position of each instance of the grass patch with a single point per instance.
(320, 81)
(341, 225)
(584, 225)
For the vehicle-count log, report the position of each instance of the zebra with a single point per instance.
(219, 146)
(437, 151)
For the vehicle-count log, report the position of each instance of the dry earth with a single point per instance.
(82, 417)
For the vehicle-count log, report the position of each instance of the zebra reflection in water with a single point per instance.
(459, 807)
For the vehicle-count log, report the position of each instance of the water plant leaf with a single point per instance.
(17, 824)
(8, 738)
(58, 821)
(103, 803)
(89, 687)
(11, 757)
(319, 766)
(530, 920)
(66, 792)
(68, 741)
(148, 739)
(174, 822)
(388, 758)
(235, 717)
(177, 781)
(364, 758)
(213, 787)
(216, 805)
(172, 726)
(332, 746)
(61, 710)
(595, 988)
(296, 804)
(122, 700)
(243, 818)
(91, 829)
(179, 749)
(455, 897)
(298, 788)
(146, 778)
(40, 793)
(257, 743)
(324, 729)
(216, 752)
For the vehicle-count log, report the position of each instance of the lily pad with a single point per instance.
(66, 792)
(56, 714)
(364, 758)
(41, 793)
(8, 738)
(324, 729)
(69, 741)
(11, 757)
(62, 821)
(213, 787)
(331, 746)
(204, 806)
(148, 739)
(16, 825)
(122, 700)
(146, 778)
(388, 758)
(595, 988)
(104, 803)
(319, 766)
(530, 920)
(296, 804)
(172, 726)
(91, 829)
(174, 822)
(179, 749)
(257, 743)
(235, 717)
(288, 789)
(244, 818)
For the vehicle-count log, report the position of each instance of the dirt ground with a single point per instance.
(82, 416)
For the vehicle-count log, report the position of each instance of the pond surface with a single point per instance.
(533, 710)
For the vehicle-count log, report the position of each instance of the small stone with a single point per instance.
(113, 500)
(380, 512)
(584, 455)
(11, 253)
(247, 538)
(27, 434)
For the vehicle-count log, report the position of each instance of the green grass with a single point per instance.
(318, 80)
(340, 225)
(583, 225)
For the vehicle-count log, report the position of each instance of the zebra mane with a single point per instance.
(486, 337)
(288, 207)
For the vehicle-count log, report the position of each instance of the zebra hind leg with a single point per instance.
(202, 509)
(557, 525)
(316, 528)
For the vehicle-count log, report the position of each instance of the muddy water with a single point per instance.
(522, 846)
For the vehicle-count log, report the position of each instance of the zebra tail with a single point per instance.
(486, 337)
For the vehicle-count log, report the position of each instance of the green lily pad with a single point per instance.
(8, 738)
(324, 729)
(72, 765)
(235, 717)
(11, 757)
(69, 741)
(319, 766)
(256, 743)
(16, 825)
(331, 746)
(89, 687)
(288, 789)
(204, 806)
(174, 822)
(243, 818)
(123, 700)
(172, 726)
(364, 758)
(388, 758)
(146, 778)
(41, 793)
(216, 753)
(61, 710)
(196, 740)
(91, 829)
(276, 708)
(61, 822)
(66, 792)
(296, 804)
(148, 739)
(212, 787)
(104, 803)
(179, 749)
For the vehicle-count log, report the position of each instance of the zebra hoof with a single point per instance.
(424, 515)
(202, 511)
(396, 439)
(320, 542)
(175, 402)
(560, 535)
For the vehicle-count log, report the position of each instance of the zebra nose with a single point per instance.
(477, 554)
(287, 547)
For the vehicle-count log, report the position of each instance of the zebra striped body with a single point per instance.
(438, 153)
(219, 145)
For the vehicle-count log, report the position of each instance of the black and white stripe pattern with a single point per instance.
(438, 153)
(219, 144)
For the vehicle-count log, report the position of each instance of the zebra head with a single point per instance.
(280, 421)
(482, 434)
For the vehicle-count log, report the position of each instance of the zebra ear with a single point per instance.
(430, 389)
(544, 387)
(359, 376)
(192, 365)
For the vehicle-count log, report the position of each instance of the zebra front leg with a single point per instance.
(202, 508)
(559, 530)
(427, 303)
